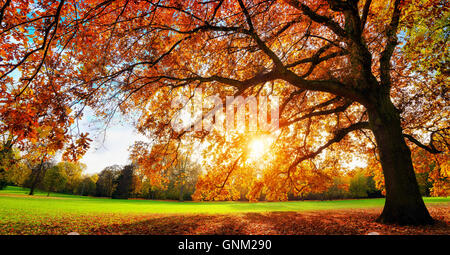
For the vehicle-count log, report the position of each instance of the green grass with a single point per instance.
(21, 214)
(14, 200)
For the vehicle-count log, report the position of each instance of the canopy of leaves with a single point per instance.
(321, 58)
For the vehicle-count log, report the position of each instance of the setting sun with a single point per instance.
(258, 147)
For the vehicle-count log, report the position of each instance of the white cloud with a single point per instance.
(108, 148)
(113, 150)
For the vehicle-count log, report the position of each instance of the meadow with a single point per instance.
(61, 214)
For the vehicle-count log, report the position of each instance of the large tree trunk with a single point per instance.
(404, 204)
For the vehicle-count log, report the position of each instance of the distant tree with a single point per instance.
(432, 173)
(372, 191)
(7, 160)
(87, 186)
(124, 183)
(138, 185)
(337, 190)
(165, 177)
(358, 185)
(18, 173)
(37, 174)
(363, 185)
(147, 190)
(73, 172)
(3, 182)
(105, 184)
(54, 179)
(184, 176)
(424, 182)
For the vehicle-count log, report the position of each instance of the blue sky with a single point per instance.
(108, 148)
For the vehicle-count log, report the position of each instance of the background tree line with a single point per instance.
(123, 182)
(114, 181)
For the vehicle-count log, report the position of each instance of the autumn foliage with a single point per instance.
(355, 78)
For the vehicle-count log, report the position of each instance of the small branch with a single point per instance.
(2, 10)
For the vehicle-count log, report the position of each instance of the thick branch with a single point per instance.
(365, 13)
(430, 148)
(335, 27)
(316, 59)
(338, 136)
(229, 173)
(386, 55)
(330, 86)
(338, 109)
(258, 40)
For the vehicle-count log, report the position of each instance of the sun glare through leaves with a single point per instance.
(258, 147)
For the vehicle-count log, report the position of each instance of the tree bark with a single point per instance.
(404, 204)
(36, 178)
(181, 193)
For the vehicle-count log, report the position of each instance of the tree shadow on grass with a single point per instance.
(292, 223)
(339, 222)
(177, 225)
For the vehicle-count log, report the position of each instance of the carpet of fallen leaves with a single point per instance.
(329, 222)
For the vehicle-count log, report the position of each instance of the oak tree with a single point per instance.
(351, 76)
